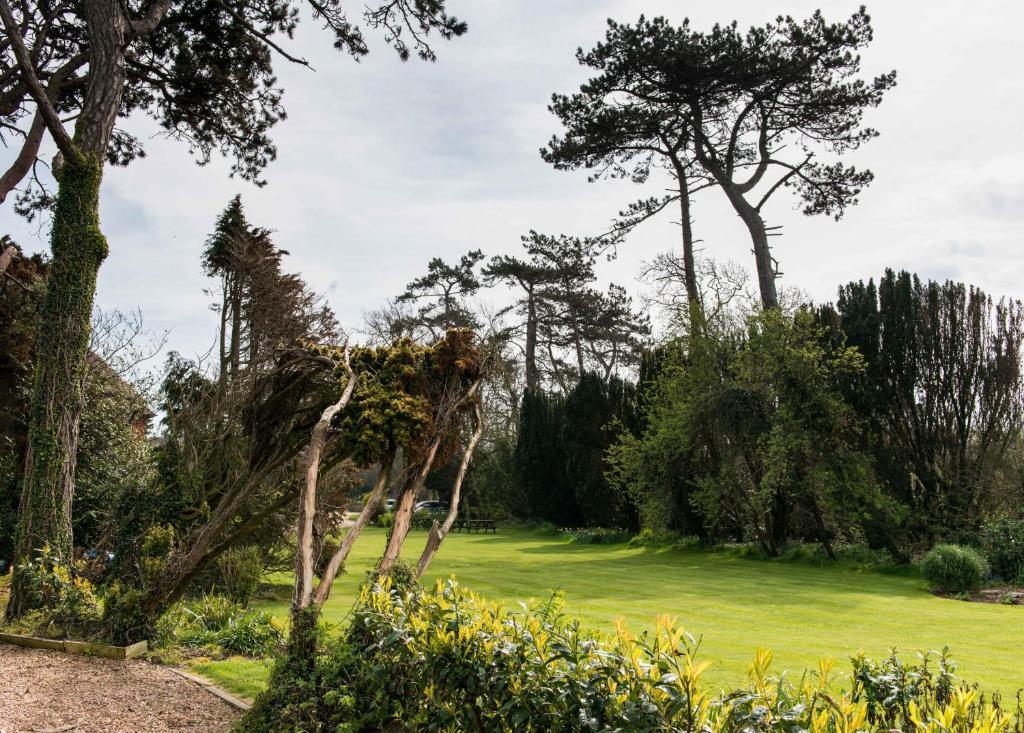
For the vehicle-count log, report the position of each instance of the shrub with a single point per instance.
(425, 519)
(68, 603)
(596, 535)
(889, 687)
(216, 620)
(665, 538)
(1002, 539)
(954, 569)
(443, 659)
(386, 520)
(238, 573)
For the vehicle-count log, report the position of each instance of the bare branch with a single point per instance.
(35, 88)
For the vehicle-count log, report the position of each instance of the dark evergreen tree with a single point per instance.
(597, 410)
(942, 395)
(540, 460)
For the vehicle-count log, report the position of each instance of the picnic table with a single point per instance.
(476, 525)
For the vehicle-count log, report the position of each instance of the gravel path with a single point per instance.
(49, 691)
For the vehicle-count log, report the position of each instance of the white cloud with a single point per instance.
(383, 165)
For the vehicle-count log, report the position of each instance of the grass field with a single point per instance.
(801, 612)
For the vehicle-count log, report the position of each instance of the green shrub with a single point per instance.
(216, 620)
(424, 519)
(1002, 539)
(444, 660)
(386, 520)
(68, 605)
(665, 538)
(596, 535)
(239, 571)
(954, 569)
(889, 687)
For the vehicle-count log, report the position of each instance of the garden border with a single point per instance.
(236, 703)
(76, 647)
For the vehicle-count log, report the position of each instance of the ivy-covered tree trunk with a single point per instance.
(78, 247)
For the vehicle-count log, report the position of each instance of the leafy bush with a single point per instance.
(386, 520)
(425, 519)
(1002, 539)
(954, 569)
(218, 621)
(597, 535)
(445, 660)
(67, 601)
(665, 538)
(890, 687)
(238, 573)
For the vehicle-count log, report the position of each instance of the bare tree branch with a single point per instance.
(35, 88)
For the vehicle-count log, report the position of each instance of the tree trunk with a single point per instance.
(307, 500)
(78, 247)
(689, 265)
(762, 252)
(337, 561)
(404, 510)
(439, 532)
(532, 376)
(6, 258)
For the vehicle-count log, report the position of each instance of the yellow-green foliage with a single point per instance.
(400, 390)
(445, 660)
(65, 601)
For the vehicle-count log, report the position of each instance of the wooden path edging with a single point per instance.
(223, 694)
(77, 647)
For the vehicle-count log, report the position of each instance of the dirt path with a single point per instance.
(48, 691)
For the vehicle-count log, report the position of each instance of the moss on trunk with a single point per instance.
(78, 249)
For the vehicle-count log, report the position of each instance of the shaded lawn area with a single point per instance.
(801, 612)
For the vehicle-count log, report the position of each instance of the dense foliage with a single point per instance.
(942, 396)
(768, 444)
(443, 659)
(560, 452)
(954, 569)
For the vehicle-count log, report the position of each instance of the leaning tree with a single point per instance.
(756, 110)
(203, 70)
(420, 400)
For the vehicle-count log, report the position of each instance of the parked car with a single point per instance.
(432, 506)
(390, 504)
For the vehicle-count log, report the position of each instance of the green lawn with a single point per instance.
(801, 612)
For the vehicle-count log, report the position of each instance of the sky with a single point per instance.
(383, 165)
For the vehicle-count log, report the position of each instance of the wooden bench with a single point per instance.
(476, 525)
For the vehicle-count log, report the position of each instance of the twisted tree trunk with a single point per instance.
(439, 532)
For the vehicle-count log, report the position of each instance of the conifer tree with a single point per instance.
(738, 105)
